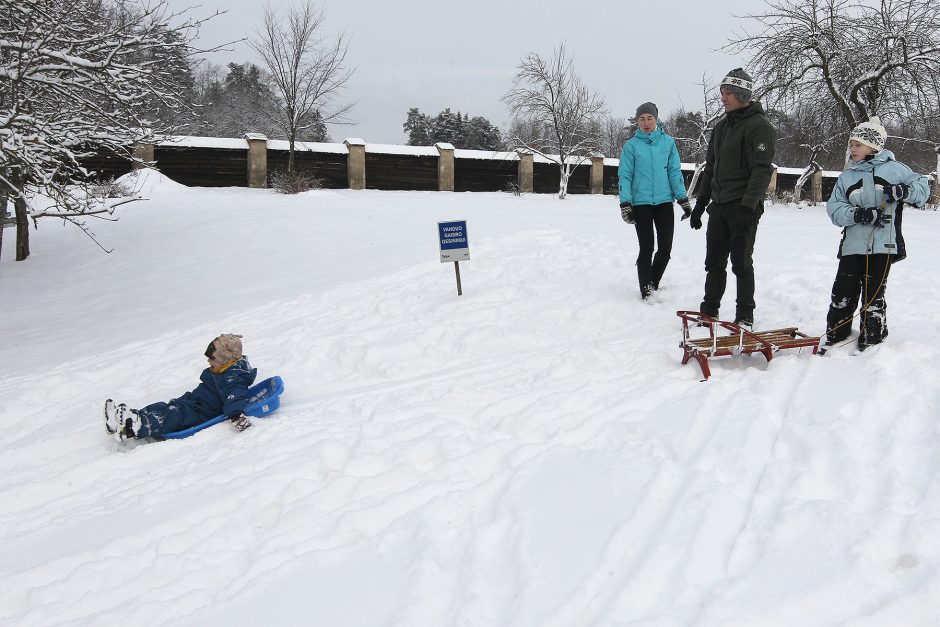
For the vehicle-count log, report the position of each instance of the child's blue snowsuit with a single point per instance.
(219, 393)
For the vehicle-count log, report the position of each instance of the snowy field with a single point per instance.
(530, 454)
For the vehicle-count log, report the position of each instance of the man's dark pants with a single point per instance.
(728, 236)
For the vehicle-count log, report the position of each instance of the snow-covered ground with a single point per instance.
(531, 453)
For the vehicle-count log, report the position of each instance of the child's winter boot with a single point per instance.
(129, 423)
(112, 421)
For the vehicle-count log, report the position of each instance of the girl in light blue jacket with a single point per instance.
(650, 180)
(868, 201)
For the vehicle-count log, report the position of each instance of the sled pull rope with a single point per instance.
(863, 311)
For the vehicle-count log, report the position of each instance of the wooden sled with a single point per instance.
(740, 341)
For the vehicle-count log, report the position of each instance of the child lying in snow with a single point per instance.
(223, 389)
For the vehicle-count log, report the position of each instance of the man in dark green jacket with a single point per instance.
(738, 167)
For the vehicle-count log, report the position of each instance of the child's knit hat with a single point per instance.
(225, 348)
(870, 133)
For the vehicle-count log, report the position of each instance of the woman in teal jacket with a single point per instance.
(650, 180)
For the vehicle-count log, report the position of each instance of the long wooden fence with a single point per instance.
(355, 164)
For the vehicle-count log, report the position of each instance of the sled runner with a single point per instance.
(740, 341)
(263, 398)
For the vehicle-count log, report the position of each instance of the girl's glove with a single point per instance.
(898, 191)
(871, 215)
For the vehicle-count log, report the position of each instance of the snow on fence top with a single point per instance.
(799, 172)
(230, 143)
(397, 149)
(186, 141)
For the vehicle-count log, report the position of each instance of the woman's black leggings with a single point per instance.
(649, 267)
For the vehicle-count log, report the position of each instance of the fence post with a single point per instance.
(597, 174)
(772, 186)
(143, 155)
(257, 160)
(445, 166)
(816, 186)
(526, 170)
(356, 164)
(936, 180)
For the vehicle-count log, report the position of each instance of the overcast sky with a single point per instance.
(433, 55)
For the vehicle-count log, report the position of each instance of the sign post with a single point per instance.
(454, 245)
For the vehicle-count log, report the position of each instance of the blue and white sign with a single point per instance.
(453, 240)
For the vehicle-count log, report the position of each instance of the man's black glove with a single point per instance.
(240, 422)
(626, 212)
(695, 218)
(898, 191)
(686, 207)
(871, 215)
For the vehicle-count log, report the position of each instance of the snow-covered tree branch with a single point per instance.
(560, 111)
(854, 58)
(78, 77)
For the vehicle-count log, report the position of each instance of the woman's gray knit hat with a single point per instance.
(739, 83)
(647, 107)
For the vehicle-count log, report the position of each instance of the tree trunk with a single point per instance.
(22, 214)
(3, 215)
(22, 228)
(290, 154)
(563, 181)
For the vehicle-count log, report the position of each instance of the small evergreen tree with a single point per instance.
(482, 135)
(418, 127)
(476, 133)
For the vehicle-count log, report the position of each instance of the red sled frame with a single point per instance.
(740, 342)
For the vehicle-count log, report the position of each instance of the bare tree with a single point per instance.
(615, 131)
(695, 129)
(855, 58)
(309, 73)
(561, 110)
(79, 77)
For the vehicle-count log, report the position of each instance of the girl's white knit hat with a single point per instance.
(870, 133)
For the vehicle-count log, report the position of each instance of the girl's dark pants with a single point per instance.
(857, 279)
